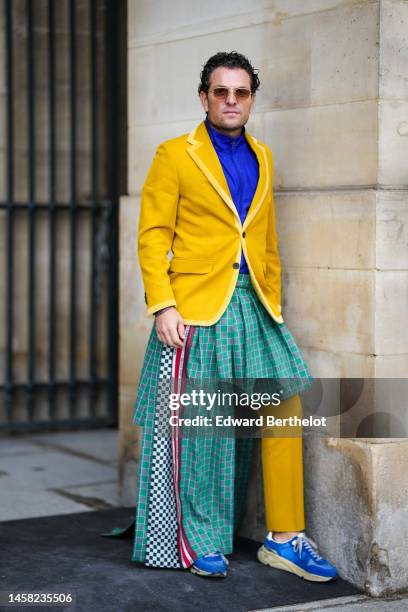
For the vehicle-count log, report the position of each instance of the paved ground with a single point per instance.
(355, 603)
(58, 473)
(75, 474)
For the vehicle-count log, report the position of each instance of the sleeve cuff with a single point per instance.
(157, 307)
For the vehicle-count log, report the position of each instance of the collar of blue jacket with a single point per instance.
(224, 142)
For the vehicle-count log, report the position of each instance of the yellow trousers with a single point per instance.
(282, 469)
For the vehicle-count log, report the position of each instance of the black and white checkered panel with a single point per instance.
(162, 549)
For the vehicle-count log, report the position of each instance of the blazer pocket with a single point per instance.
(190, 266)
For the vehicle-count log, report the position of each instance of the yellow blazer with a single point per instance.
(186, 208)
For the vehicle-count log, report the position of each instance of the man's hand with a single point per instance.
(170, 327)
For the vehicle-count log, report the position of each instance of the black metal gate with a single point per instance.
(59, 143)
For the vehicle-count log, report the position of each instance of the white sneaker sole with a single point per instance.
(267, 557)
(199, 572)
(225, 559)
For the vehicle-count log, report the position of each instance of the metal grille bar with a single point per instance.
(55, 371)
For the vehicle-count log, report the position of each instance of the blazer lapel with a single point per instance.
(263, 181)
(201, 150)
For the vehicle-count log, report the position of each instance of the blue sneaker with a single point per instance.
(299, 556)
(214, 565)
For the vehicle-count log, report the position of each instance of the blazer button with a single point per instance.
(235, 265)
(243, 234)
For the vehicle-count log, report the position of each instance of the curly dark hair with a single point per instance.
(225, 59)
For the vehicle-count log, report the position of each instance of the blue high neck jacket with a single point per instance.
(241, 171)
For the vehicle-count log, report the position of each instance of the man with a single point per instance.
(217, 305)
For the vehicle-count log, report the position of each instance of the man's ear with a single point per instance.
(253, 100)
(204, 100)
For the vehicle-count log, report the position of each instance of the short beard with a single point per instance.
(225, 128)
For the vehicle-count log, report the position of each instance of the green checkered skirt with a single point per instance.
(192, 488)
